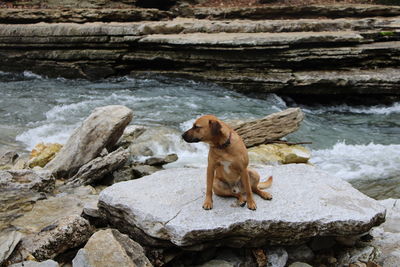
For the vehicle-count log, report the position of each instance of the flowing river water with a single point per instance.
(360, 144)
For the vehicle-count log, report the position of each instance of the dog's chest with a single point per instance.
(226, 165)
(228, 168)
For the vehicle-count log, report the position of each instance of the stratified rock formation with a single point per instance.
(306, 203)
(19, 190)
(342, 50)
(271, 127)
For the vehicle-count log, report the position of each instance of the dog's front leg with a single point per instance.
(251, 204)
(208, 202)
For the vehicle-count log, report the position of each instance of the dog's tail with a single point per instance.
(266, 184)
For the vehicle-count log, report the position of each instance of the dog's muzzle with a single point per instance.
(189, 138)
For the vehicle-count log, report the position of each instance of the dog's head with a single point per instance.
(205, 129)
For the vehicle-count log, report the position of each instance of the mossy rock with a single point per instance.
(43, 154)
(279, 154)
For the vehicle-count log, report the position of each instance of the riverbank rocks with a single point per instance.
(20, 189)
(130, 134)
(386, 237)
(27, 180)
(271, 127)
(306, 203)
(159, 161)
(8, 241)
(63, 234)
(97, 169)
(48, 263)
(8, 159)
(69, 202)
(42, 154)
(111, 248)
(100, 130)
(279, 153)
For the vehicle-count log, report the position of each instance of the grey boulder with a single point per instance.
(27, 180)
(48, 263)
(8, 159)
(276, 257)
(102, 129)
(307, 202)
(98, 168)
(111, 248)
(66, 233)
(8, 241)
(159, 161)
(216, 263)
(387, 236)
(64, 204)
(19, 190)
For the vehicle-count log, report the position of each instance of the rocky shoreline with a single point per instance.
(78, 210)
(105, 199)
(347, 51)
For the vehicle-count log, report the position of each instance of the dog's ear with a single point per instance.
(215, 127)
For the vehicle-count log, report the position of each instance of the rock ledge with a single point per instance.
(165, 208)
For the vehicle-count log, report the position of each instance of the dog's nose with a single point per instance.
(184, 136)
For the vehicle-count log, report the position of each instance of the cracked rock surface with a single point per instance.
(166, 208)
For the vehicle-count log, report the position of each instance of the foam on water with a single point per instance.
(379, 109)
(352, 162)
(29, 74)
(48, 133)
(189, 155)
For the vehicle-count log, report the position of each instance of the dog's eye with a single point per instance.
(195, 127)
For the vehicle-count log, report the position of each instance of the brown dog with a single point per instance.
(227, 172)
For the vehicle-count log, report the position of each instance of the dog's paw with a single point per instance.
(266, 195)
(242, 203)
(207, 205)
(251, 205)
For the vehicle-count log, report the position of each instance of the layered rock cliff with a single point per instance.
(308, 50)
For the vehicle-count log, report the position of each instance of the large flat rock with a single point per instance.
(167, 206)
(253, 39)
(287, 53)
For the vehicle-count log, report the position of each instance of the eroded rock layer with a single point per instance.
(355, 53)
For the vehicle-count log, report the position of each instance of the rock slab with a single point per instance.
(271, 127)
(111, 248)
(100, 130)
(19, 190)
(66, 233)
(8, 241)
(96, 169)
(27, 180)
(45, 212)
(387, 236)
(48, 263)
(307, 203)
